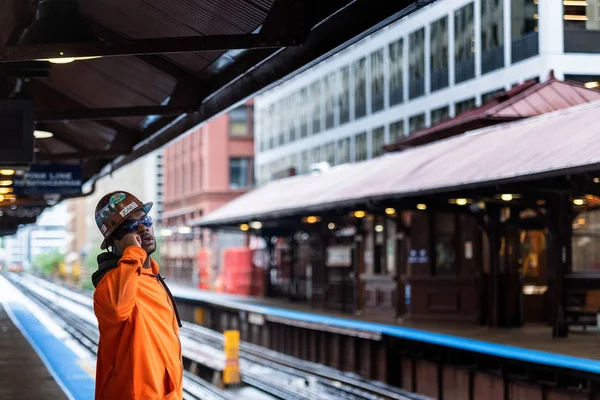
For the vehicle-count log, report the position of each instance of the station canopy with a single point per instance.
(554, 145)
(110, 81)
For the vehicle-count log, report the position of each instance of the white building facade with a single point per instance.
(448, 57)
(48, 234)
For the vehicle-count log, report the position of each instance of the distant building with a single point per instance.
(47, 235)
(446, 58)
(203, 170)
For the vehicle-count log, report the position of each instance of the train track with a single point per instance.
(194, 388)
(272, 372)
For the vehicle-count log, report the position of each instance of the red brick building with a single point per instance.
(203, 170)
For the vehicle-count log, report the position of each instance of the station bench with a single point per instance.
(585, 314)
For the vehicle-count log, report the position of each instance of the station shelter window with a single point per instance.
(586, 242)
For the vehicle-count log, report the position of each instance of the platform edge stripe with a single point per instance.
(441, 339)
(38, 351)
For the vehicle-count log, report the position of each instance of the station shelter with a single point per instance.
(495, 226)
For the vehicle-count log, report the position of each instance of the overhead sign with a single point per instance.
(49, 179)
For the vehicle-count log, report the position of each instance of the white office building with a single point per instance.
(48, 234)
(448, 57)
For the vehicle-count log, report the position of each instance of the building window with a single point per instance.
(282, 122)
(240, 173)
(487, 97)
(416, 64)
(274, 126)
(316, 101)
(445, 243)
(417, 122)
(328, 153)
(293, 115)
(439, 54)
(464, 38)
(329, 100)
(377, 81)
(304, 162)
(361, 147)
(377, 141)
(439, 114)
(396, 131)
(524, 29)
(492, 35)
(581, 26)
(343, 149)
(239, 121)
(344, 95)
(265, 130)
(586, 242)
(303, 112)
(315, 156)
(396, 73)
(360, 88)
(464, 105)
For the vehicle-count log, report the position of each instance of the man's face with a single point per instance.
(141, 224)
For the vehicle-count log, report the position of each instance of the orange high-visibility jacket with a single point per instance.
(139, 354)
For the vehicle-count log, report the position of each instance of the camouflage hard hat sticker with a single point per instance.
(117, 198)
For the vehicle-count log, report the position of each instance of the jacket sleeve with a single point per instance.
(115, 296)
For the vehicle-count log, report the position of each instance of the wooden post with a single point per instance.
(494, 238)
(560, 212)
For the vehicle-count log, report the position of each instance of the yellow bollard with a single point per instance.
(231, 372)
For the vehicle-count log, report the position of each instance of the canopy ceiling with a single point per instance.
(160, 68)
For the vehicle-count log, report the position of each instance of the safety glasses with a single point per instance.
(131, 226)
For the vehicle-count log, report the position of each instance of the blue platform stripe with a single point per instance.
(499, 350)
(60, 360)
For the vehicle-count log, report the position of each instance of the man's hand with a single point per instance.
(132, 239)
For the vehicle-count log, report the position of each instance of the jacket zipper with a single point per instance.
(175, 312)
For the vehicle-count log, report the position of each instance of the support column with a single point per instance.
(494, 238)
(560, 217)
(270, 262)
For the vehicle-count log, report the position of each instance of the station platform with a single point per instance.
(36, 359)
(531, 343)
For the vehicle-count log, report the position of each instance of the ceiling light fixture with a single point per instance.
(390, 211)
(591, 85)
(7, 172)
(5, 190)
(256, 225)
(421, 206)
(578, 202)
(57, 22)
(507, 197)
(6, 182)
(462, 202)
(244, 227)
(359, 214)
(39, 134)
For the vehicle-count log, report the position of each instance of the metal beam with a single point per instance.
(98, 114)
(137, 47)
(330, 35)
(157, 62)
(80, 155)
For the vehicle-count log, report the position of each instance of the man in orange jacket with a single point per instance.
(139, 353)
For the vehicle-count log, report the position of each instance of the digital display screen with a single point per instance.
(16, 131)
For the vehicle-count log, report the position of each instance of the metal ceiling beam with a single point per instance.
(138, 47)
(80, 155)
(155, 61)
(337, 30)
(50, 96)
(97, 114)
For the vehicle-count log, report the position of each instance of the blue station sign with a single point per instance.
(49, 179)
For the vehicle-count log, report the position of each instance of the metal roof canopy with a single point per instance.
(179, 62)
(549, 146)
